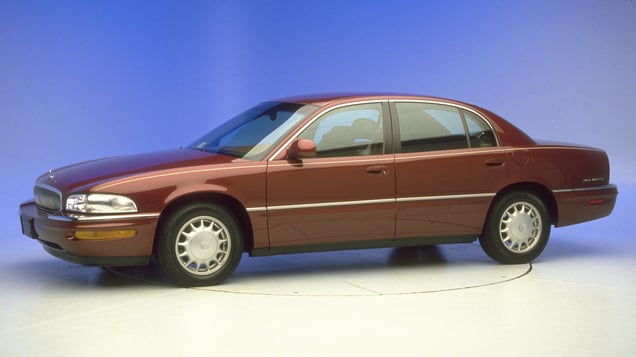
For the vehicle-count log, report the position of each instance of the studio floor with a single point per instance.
(577, 299)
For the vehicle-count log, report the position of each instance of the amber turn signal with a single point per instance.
(113, 234)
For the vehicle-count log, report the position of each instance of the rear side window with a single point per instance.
(427, 127)
(479, 132)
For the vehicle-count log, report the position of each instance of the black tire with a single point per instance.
(517, 228)
(199, 244)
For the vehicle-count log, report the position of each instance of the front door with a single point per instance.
(346, 193)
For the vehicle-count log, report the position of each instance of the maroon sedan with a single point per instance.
(321, 173)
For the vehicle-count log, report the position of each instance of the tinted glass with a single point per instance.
(253, 133)
(427, 127)
(479, 131)
(350, 131)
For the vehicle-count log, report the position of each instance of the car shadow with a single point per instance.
(411, 256)
(53, 273)
(56, 274)
(44, 274)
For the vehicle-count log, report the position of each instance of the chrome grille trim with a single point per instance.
(47, 197)
(112, 217)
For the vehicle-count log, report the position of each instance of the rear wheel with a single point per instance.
(200, 244)
(517, 228)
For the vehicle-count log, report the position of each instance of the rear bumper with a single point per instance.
(584, 204)
(57, 235)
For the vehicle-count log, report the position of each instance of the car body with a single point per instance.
(323, 172)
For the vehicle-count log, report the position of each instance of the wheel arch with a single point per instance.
(542, 192)
(232, 204)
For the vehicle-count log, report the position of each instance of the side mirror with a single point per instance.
(301, 149)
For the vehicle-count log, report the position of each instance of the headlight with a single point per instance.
(100, 203)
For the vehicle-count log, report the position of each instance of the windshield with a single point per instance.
(252, 134)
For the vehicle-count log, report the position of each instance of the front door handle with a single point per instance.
(378, 170)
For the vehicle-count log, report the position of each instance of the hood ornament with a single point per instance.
(51, 176)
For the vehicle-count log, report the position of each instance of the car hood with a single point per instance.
(83, 175)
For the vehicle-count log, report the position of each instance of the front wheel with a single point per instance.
(199, 244)
(517, 228)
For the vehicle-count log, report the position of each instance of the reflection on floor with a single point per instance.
(579, 298)
(368, 272)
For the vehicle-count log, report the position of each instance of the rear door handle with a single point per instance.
(494, 162)
(378, 170)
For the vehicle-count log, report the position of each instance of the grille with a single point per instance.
(47, 198)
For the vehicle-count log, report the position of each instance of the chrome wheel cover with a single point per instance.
(203, 245)
(520, 227)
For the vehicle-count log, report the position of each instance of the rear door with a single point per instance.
(347, 192)
(448, 169)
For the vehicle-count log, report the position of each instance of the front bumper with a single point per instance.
(57, 233)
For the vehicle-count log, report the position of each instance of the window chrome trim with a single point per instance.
(368, 202)
(100, 218)
(342, 160)
(445, 153)
(458, 106)
(322, 111)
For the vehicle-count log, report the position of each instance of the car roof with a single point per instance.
(330, 98)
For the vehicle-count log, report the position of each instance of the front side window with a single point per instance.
(354, 130)
(427, 127)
